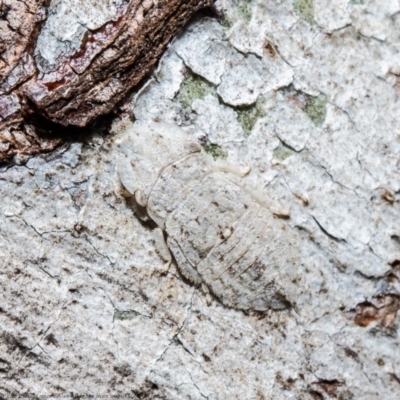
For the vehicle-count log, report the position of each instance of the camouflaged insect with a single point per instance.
(221, 235)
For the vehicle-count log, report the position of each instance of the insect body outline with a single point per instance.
(219, 233)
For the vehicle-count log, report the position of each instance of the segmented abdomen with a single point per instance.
(222, 237)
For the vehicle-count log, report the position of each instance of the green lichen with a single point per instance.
(248, 116)
(305, 9)
(316, 109)
(193, 88)
(244, 8)
(282, 152)
(215, 150)
(227, 21)
(125, 315)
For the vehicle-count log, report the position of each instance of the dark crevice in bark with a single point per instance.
(39, 110)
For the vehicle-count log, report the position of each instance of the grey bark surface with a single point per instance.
(307, 95)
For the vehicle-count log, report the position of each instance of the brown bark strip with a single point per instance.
(20, 23)
(111, 61)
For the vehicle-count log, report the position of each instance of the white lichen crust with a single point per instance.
(85, 309)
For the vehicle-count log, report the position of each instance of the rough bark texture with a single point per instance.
(20, 23)
(113, 57)
(307, 95)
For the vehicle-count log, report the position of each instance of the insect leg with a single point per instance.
(162, 249)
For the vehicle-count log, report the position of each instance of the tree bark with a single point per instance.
(111, 60)
(298, 103)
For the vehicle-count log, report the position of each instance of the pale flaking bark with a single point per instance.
(306, 93)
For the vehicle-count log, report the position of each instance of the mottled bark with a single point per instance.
(20, 24)
(307, 94)
(112, 60)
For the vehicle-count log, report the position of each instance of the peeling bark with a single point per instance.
(111, 60)
(306, 93)
(20, 24)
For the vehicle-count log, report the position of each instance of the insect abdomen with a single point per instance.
(234, 245)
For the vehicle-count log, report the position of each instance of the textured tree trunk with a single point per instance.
(113, 57)
(297, 102)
